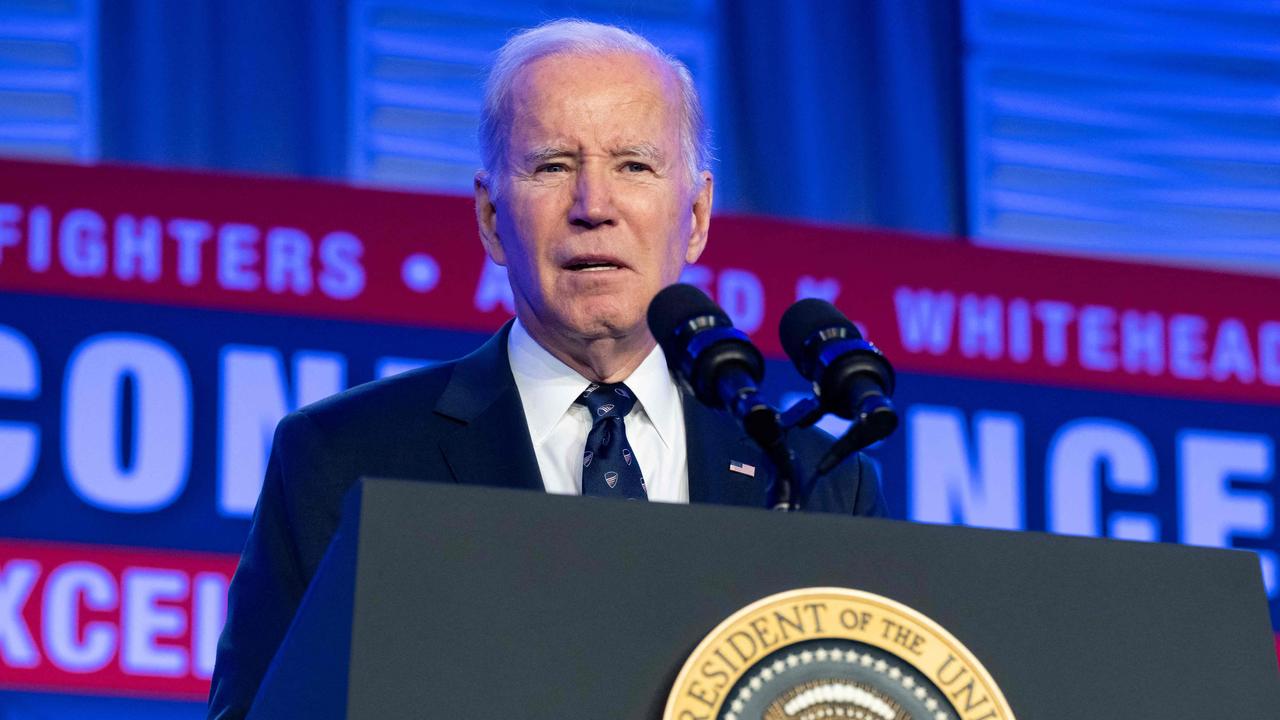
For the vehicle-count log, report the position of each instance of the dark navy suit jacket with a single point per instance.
(457, 422)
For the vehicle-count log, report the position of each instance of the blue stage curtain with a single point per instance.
(244, 86)
(833, 111)
(845, 112)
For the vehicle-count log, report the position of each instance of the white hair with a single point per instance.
(580, 37)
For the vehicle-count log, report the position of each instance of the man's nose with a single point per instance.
(593, 198)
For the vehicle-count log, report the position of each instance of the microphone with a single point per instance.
(724, 370)
(851, 376)
(704, 349)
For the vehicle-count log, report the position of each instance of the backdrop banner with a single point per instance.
(155, 325)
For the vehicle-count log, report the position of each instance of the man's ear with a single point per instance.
(487, 218)
(701, 225)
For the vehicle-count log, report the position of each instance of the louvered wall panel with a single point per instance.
(48, 79)
(417, 70)
(1136, 128)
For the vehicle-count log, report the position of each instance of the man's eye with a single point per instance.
(551, 168)
(636, 167)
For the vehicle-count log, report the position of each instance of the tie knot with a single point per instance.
(607, 400)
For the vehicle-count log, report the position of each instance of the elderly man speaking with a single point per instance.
(596, 193)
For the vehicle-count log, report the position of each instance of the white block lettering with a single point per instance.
(981, 327)
(148, 615)
(1079, 453)
(494, 289)
(238, 257)
(699, 276)
(1232, 353)
(253, 399)
(209, 613)
(822, 288)
(1212, 511)
(1019, 330)
(1269, 353)
(82, 245)
(1187, 347)
(191, 235)
(341, 274)
(925, 319)
(138, 248)
(39, 239)
(288, 261)
(1055, 317)
(741, 294)
(157, 471)
(954, 480)
(68, 586)
(1142, 342)
(1097, 328)
(19, 441)
(10, 236)
(17, 579)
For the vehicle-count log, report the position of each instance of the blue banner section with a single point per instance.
(149, 426)
(144, 416)
(152, 424)
(1014, 456)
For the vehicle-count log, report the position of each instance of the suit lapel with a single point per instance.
(491, 444)
(714, 441)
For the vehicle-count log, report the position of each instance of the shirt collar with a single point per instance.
(656, 392)
(548, 387)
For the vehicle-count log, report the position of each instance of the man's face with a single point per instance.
(597, 211)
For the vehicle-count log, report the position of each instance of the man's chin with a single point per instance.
(609, 329)
(585, 319)
(606, 326)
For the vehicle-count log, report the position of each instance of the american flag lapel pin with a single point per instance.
(742, 468)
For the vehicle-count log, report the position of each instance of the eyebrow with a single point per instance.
(543, 154)
(648, 151)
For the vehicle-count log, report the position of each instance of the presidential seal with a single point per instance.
(835, 653)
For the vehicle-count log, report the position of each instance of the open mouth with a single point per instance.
(591, 265)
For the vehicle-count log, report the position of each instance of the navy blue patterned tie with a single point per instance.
(609, 468)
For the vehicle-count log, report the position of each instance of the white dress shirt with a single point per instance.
(558, 426)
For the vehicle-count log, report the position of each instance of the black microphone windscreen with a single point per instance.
(805, 318)
(676, 305)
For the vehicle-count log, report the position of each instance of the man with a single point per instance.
(595, 195)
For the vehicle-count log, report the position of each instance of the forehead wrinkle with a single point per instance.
(517, 107)
(528, 102)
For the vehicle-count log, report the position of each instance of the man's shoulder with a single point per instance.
(812, 438)
(409, 394)
(451, 386)
(854, 483)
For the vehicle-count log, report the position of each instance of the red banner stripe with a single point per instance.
(934, 305)
(108, 620)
